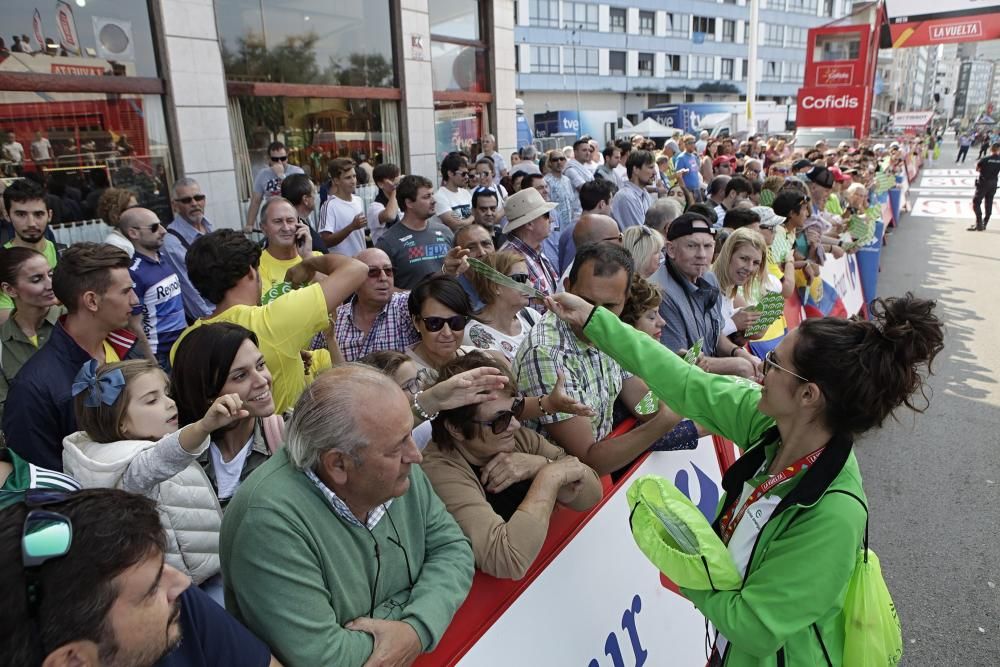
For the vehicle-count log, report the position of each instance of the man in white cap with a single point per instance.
(527, 227)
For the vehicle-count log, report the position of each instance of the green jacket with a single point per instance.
(296, 573)
(789, 610)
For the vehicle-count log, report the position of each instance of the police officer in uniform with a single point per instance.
(986, 187)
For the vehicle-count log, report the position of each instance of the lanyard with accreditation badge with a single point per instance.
(728, 522)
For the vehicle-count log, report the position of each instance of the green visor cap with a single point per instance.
(675, 536)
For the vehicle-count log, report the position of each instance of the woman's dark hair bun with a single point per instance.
(868, 368)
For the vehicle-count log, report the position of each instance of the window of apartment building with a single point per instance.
(774, 34)
(616, 63)
(580, 61)
(745, 69)
(579, 15)
(545, 59)
(645, 64)
(771, 70)
(837, 47)
(647, 23)
(617, 19)
(828, 8)
(675, 64)
(677, 24)
(703, 24)
(795, 72)
(543, 13)
(702, 67)
(796, 36)
(728, 31)
(803, 6)
(727, 69)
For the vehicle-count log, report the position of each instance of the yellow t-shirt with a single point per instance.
(284, 327)
(272, 271)
(110, 356)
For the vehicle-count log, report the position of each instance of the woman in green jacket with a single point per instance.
(25, 276)
(793, 511)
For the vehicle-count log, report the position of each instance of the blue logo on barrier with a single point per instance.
(612, 647)
(708, 492)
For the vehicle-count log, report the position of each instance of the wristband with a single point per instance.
(735, 350)
(542, 409)
(420, 411)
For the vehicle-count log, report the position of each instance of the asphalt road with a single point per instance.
(933, 480)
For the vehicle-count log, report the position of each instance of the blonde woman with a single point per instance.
(505, 319)
(740, 263)
(646, 247)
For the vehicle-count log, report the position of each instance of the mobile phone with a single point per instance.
(301, 241)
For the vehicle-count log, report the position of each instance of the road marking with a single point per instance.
(940, 207)
(948, 172)
(948, 182)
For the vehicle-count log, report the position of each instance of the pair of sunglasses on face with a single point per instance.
(501, 422)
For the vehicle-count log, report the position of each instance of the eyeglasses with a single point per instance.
(455, 322)
(376, 271)
(463, 174)
(501, 422)
(620, 238)
(155, 227)
(45, 536)
(188, 200)
(520, 277)
(769, 363)
(485, 189)
(412, 386)
(283, 158)
(557, 159)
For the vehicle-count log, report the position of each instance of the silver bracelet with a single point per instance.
(420, 411)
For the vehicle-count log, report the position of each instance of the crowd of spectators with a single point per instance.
(327, 421)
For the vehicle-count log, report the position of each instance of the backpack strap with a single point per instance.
(860, 502)
(173, 232)
(274, 432)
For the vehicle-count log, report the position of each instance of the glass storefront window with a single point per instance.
(332, 43)
(458, 126)
(82, 142)
(317, 130)
(455, 18)
(84, 38)
(459, 67)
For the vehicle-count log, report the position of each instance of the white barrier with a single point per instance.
(600, 603)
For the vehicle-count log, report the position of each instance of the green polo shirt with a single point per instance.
(50, 254)
(24, 476)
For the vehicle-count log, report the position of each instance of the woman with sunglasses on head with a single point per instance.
(501, 481)
(483, 177)
(505, 318)
(794, 512)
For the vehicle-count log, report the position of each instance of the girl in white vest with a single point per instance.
(129, 440)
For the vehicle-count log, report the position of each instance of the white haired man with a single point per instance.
(337, 550)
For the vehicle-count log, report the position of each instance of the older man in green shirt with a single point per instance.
(337, 551)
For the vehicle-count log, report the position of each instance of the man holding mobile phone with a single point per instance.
(287, 242)
(344, 219)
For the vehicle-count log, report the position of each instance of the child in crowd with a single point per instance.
(129, 440)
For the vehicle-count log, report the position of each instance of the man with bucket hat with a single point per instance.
(527, 227)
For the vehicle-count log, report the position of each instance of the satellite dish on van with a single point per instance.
(114, 39)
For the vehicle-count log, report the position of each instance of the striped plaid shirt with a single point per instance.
(392, 329)
(540, 271)
(591, 376)
(341, 509)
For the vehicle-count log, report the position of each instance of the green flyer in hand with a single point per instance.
(780, 247)
(500, 279)
(647, 405)
(771, 307)
(694, 351)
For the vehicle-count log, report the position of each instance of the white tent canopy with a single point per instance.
(647, 128)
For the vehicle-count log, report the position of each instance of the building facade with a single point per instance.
(136, 94)
(595, 55)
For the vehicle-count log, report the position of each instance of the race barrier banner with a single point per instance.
(592, 598)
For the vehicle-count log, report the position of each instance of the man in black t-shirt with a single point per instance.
(986, 187)
(99, 591)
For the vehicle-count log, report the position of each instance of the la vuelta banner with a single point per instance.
(831, 106)
(67, 27)
(973, 28)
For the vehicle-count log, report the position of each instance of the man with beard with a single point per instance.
(630, 204)
(99, 592)
(160, 313)
(25, 204)
(189, 224)
(416, 245)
